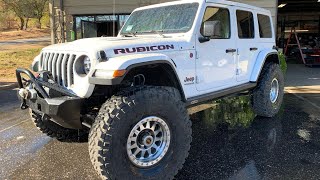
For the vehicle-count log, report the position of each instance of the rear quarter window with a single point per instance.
(265, 28)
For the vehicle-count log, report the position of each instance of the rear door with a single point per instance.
(247, 43)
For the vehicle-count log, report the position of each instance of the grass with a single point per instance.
(32, 33)
(23, 47)
(12, 59)
(19, 55)
(283, 63)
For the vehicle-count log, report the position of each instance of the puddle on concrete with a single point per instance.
(233, 111)
(231, 142)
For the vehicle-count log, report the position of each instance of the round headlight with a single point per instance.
(86, 64)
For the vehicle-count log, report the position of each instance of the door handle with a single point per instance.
(231, 50)
(253, 49)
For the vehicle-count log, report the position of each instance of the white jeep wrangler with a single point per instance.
(131, 92)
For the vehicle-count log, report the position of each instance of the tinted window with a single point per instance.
(222, 18)
(265, 29)
(245, 24)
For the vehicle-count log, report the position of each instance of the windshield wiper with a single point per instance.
(160, 32)
(129, 34)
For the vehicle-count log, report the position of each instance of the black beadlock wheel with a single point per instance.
(58, 132)
(267, 97)
(141, 133)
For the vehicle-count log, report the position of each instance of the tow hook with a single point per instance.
(23, 105)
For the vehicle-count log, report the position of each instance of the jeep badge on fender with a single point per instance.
(128, 95)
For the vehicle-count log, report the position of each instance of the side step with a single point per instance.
(218, 94)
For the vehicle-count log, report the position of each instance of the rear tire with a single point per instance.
(267, 97)
(58, 132)
(121, 116)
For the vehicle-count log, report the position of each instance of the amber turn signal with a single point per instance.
(119, 73)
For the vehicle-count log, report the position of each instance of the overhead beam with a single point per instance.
(297, 2)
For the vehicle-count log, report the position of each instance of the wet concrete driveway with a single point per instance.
(229, 142)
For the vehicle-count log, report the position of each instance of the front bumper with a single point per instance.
(63, 110)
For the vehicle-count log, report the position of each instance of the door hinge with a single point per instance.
(197, 80)
(238, 71)
(197, 55)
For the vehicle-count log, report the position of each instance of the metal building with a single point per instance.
(76, 19)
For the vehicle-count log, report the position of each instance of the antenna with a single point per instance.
(114, 16)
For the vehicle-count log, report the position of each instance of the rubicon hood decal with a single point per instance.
(143, 49)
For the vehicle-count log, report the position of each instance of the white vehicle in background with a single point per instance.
(131, 92)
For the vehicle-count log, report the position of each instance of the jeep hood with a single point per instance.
(117, 46)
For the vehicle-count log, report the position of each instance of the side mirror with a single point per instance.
(211, 29)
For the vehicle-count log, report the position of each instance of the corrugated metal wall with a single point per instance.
(106, 6)
(271, 5)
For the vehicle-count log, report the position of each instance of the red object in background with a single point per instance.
(294, 34)
(316, 51)
(315, 56)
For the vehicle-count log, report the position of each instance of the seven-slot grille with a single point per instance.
(60, 65)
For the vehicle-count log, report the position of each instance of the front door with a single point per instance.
(215, 64)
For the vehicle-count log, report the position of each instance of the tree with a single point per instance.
(2, 17)
(39, 7)
(23, 9)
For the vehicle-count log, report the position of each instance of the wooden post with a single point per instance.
(63, 39)
(52, 21)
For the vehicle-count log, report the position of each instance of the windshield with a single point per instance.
(167, 19)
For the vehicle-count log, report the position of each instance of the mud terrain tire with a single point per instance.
(120, 114)
(264, 102)
(55, 131)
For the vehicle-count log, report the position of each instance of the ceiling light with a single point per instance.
(301, 30)
(283, 5)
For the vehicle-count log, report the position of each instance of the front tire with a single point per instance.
(267, 97)
(56, 131)
(127, 126)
